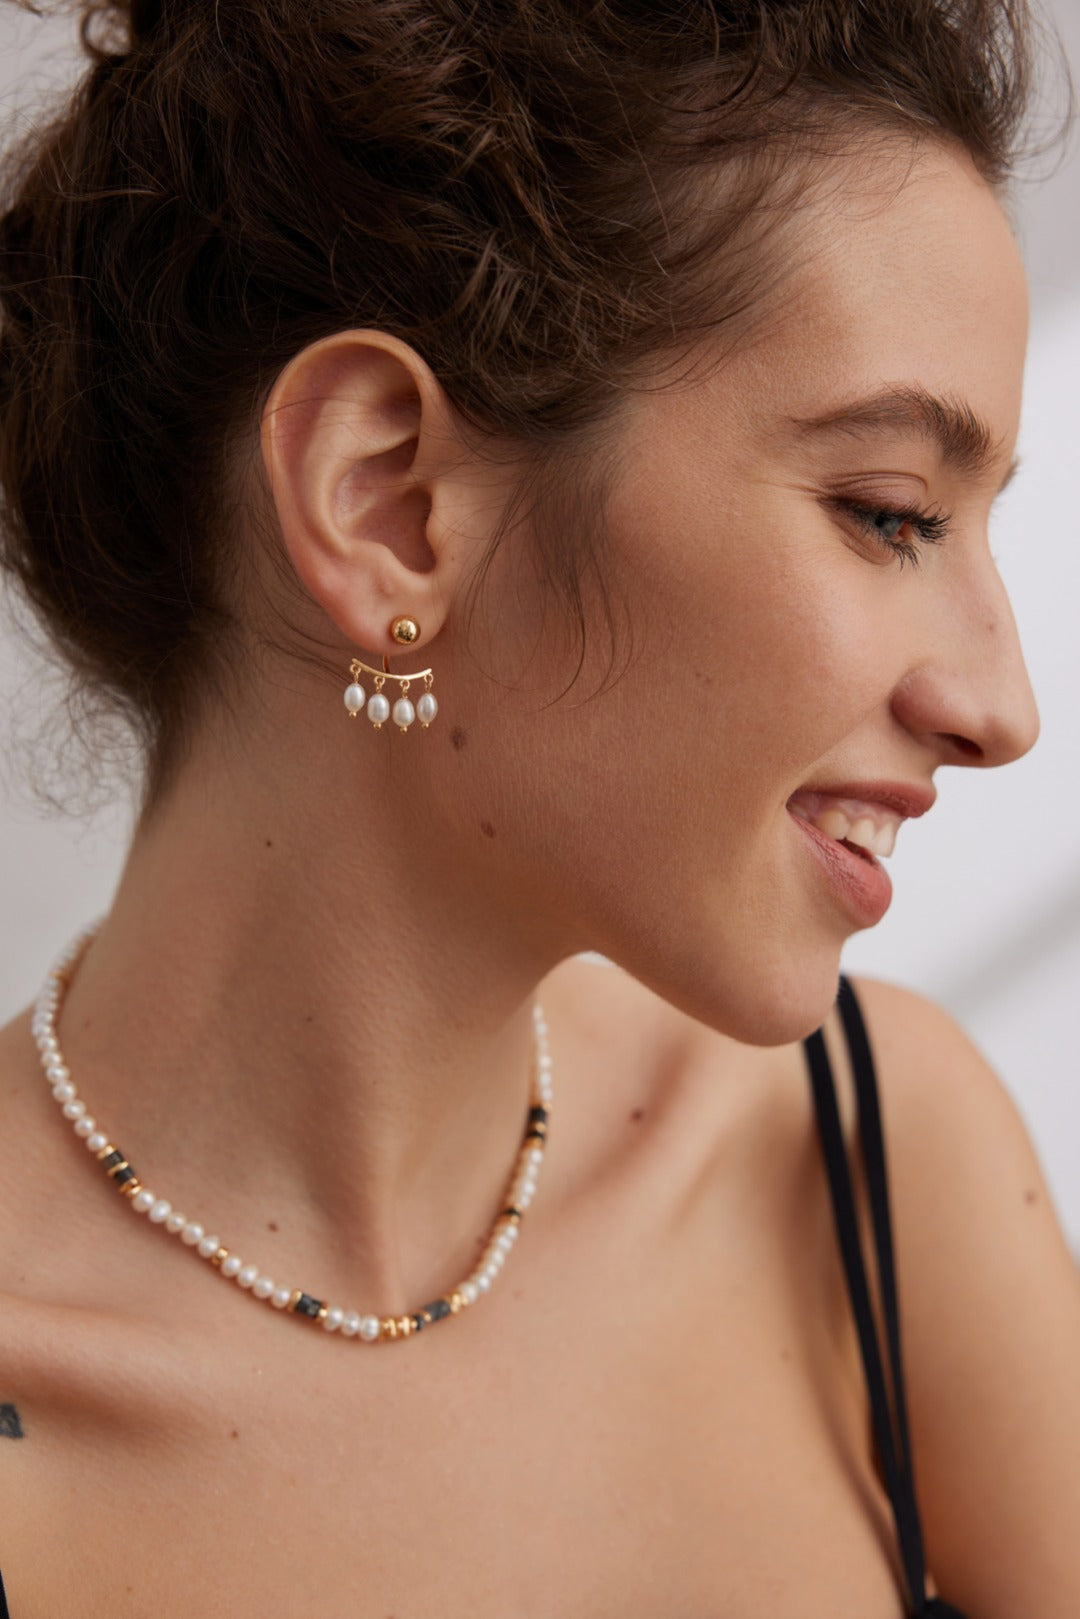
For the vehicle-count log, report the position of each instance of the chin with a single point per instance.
(782, 1008)
(755, 997)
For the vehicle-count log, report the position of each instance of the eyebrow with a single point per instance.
(963, 439)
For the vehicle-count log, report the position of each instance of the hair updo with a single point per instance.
(514, 187)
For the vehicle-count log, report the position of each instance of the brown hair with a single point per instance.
(506, 185)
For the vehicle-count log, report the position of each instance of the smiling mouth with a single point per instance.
(866, 829)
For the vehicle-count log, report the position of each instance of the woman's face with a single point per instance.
(799, 537)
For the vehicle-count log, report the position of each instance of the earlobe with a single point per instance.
(348, 437)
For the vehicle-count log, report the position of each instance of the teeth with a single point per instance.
(864, 833)
(833, 822)
(872, 828)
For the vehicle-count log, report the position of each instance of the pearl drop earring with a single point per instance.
(405, 631)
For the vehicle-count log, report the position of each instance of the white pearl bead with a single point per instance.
(333, 1319)
(280, 1297)
(536, 1156)
(426, 708)
(369, 1327)
(263, 1287)
(95, 1142)
(378, 708)
(355, 697)
(84, 1127)
(56, 1072)
(232, 1266)
(208, 1247)
(160, 1210)
(192, 1234)
(143, 1201)
(404, 713)
(49, 1043)
(468, 1292)
(350, 1326)
(64, 1090)
(175, 1221)
(247, 1275)
(483, 1281)
(74, 1109)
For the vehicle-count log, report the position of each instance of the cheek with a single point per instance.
(776, 630)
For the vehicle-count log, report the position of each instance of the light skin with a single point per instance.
(310, 1003)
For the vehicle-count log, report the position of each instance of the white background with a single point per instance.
(987, 911)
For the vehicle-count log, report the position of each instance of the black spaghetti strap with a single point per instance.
(893, 1448)
(3, 1601)
(871, 1139)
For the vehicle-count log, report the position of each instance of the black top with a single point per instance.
(894, 1444)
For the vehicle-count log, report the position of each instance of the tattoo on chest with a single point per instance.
(10, 1426)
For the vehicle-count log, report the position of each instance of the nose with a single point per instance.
(970, 698)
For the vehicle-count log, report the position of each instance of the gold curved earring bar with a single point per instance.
(386, 674)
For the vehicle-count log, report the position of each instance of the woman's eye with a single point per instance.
(886, 524)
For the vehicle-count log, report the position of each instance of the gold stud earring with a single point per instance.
(405, 631)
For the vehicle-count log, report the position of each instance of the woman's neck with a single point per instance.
(311, 1029)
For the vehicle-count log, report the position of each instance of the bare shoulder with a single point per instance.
(960, 1158)
(21, 1098)
(45, 1232)
(29, 1238)
(990, 1305)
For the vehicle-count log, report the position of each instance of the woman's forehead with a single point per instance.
(903, 305)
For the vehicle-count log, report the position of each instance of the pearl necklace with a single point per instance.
(194, 1235)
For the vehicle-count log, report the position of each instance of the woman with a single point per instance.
(635, 381)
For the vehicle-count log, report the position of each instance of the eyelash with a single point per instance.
(931, 527)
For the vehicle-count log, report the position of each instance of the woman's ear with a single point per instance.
(360, 445)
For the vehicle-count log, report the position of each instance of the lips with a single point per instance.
(908, 801)
(847, 826)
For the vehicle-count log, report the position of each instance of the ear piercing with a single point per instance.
(404, 631)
